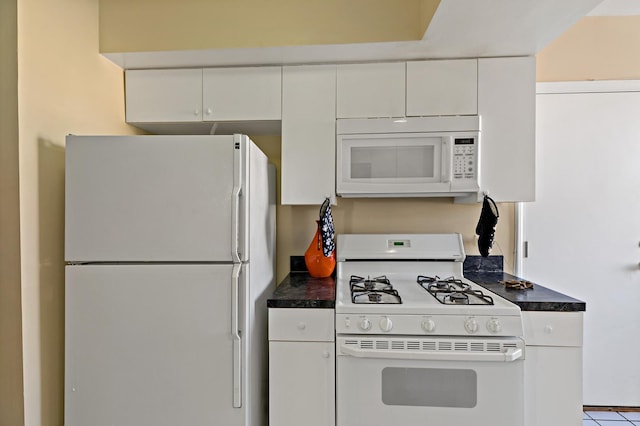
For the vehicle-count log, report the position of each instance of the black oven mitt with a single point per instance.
(486, 227)
(327, 231)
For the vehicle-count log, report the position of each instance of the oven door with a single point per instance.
(446, 382)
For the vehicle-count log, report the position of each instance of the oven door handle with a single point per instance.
(512, 354)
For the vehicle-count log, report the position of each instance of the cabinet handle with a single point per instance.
(325, 354)
(301, 326)
(196, 112)
(209, 111)
(548, 329)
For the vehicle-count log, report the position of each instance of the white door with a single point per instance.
(150, 345)
(150, 198)
(583, 230)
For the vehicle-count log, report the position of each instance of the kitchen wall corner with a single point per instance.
(64, 86)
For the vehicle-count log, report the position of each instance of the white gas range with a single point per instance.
(416, 342)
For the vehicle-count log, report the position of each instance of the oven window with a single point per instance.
(429, 387)
(393, 162)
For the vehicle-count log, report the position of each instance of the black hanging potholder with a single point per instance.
(486, 227)
(327, 231)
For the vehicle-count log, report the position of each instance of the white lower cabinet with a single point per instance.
(301, 367)
(553, 368)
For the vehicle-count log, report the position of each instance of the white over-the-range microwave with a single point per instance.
(408, 157)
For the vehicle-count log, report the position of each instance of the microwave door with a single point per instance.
(393, 165)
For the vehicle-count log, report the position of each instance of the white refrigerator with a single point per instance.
(169, 244)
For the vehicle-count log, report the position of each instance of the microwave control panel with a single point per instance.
(464, 158)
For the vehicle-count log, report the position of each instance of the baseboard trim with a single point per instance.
(609, 408)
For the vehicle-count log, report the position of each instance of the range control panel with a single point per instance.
(442, 325)
(465, 158)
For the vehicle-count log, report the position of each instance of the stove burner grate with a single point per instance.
(370, 284)
(457, 298)
(453, 291)
(377, 290)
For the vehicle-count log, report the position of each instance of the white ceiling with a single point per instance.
(617, 8)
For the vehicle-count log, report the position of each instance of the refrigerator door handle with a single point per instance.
(235, 218)
(235, 334)
(237, 193)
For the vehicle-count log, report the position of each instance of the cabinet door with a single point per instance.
(442, 87)
(553, 368)
(506, 103)
(371, 90)
(242, 93)
(308, 134)
(163, 95)
(553, 392)
(301, 383)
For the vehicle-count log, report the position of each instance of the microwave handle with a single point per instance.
(447, 159)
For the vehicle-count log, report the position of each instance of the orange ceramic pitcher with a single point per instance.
(318, 265)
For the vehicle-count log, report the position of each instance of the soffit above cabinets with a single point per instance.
(617, 8)
(459, 29)
(485, 28)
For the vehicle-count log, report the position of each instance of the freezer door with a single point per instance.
(155, 198)
(154, 345)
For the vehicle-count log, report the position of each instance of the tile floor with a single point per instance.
(610, 418)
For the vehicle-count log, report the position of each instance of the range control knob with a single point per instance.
(494, 326)
(428, 325)
(386, 324)
(471, 325)
(365, 324)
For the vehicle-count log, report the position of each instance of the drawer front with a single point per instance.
(301, 325)
(552, 328)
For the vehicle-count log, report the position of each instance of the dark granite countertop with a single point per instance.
(488, 272)
(538, 298)
(301, 290)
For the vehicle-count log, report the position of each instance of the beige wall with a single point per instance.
(64, 87)
(596, 48)
(143, 25)
(403, 215)
(296, 224)
(11, 400)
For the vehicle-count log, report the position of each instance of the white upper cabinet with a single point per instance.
(442, 87)
(308, 134)
(371, 90)
(194, 95)
(173, 95)
(506, 104)
(239, 94)
(303, 102)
